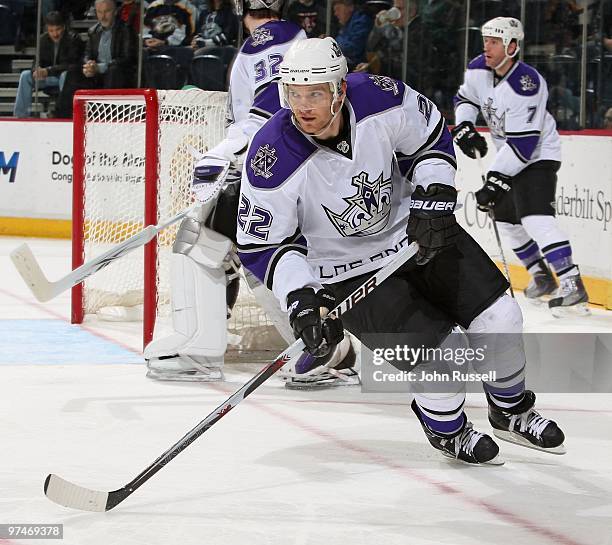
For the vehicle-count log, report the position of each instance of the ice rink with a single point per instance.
(287, 468)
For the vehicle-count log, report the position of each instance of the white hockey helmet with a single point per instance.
(506, 28)
(272, 5)
(310, 62)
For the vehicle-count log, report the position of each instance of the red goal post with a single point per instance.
(133, 157)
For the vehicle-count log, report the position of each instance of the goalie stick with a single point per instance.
(74, 496)
(28, 267)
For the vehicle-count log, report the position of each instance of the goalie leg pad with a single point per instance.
(199, 308)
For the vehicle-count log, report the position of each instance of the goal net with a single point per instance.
(133, 157)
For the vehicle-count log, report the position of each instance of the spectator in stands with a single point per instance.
(109, 61)
(217, 26)
(169, 23)
(169, 27)
(308, 14)
(355, 26)
(129, 13)
(385, 49)
(60, 51)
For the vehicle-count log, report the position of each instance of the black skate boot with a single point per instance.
(468, 445)
(542, 282)
(571, 298)
(524, 426)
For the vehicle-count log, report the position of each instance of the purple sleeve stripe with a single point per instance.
(257, 262)
(458, 99)
(523, 146)
(267, 100)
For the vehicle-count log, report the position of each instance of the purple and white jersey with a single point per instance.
(515, 110)
(310, 215)
(253, 94)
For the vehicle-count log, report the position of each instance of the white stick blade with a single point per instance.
(30, 271)
(74, 496)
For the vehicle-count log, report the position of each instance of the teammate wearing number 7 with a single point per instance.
(520, 186)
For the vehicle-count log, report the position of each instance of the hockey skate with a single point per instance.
(542, 283)
(524, 426)
(185, 368)
(336, 369)
(468, 446)
(570, 299)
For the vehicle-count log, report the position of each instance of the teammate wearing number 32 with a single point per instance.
(203, 279)
(324, 202)
(520, 185)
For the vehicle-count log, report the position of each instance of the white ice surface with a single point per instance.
(320, 468)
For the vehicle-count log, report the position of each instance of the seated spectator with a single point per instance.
(310, 15)
(109, 61)
(169, 27)
(355, 26)
(169, 23)
(60, 51)
(217, 26)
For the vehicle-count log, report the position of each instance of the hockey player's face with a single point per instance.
(311, 105)
(493, 51)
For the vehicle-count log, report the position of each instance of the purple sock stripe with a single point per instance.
(444, 427)
(558, 253)
(528, 252)
(509, 391)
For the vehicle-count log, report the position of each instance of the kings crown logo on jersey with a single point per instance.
(263, 161)
(496, 123)
(527, 84)
(368, 210)
(385, 83)
(260, 36)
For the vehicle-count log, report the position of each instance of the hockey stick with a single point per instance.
(495, 229)
(44, 290)
(72, 495)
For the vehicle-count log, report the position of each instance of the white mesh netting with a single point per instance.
(190, 122)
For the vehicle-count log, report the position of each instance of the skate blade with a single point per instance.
(497, 461)
(322, 385)
(511, 437)
(581, 309)
(184, 377)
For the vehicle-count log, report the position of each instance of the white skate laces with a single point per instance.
(531, 422)
(467, 440)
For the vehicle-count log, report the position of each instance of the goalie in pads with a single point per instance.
(204, 267)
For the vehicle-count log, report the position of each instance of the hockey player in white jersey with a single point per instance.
(323, 203)
(520, 185)
(201, 267)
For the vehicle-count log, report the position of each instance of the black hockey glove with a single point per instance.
(319, 336)
(496, 185)
(469, 139)
(432, 222)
